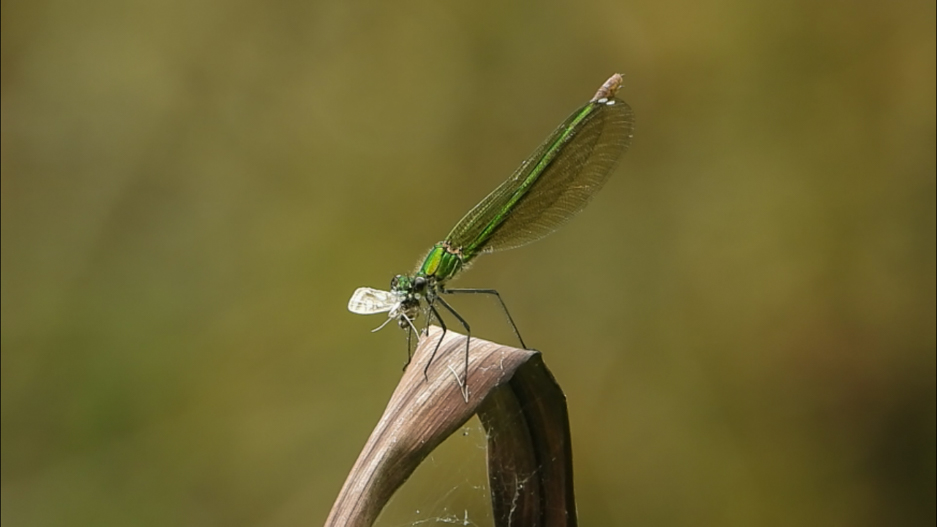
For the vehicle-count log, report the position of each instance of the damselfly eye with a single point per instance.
(419, 283)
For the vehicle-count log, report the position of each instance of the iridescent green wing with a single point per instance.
(555, 182)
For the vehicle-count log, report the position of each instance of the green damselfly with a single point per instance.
(549, 187)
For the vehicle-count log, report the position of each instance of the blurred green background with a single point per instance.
(743, 320)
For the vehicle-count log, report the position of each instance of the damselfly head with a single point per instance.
(400, 282)
(409, 286)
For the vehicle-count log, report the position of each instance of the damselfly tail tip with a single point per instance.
(610, 88)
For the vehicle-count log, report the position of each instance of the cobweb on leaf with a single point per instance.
(449, 488)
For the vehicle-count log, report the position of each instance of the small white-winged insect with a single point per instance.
(369, 301)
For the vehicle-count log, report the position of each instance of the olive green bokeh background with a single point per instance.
(743, 320)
